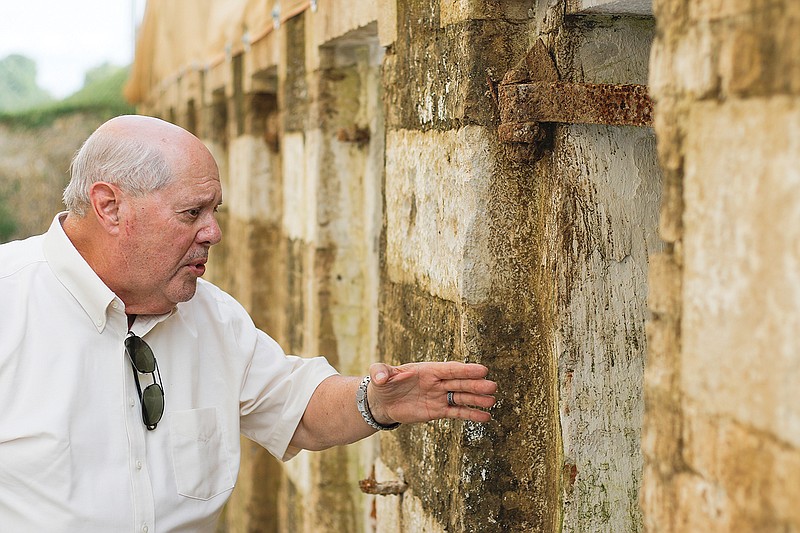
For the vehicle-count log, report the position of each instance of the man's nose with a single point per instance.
(211, 233)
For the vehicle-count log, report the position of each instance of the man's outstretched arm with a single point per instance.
(414, 392)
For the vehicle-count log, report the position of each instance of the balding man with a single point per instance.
(126, 380)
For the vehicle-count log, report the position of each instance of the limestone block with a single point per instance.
(664, 294)
(334, 20)
(437, 187)
(743, 63)
(701, 506)
(388, 511)
(742, 263)
(741, 480)
(711, 10)
(612, 7)
(218, 78)
(657, 500)
(669, 124)
(261, 64)
(299, 471)
(299, 185)
(350, 223)
(455, 11)
(401, 514)
(672, 16)
(661, 436)
(253, 189)
(387, 22)
(220, 154)
(685, 65)
(661, 371)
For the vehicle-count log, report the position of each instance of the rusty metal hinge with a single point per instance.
(531, 99)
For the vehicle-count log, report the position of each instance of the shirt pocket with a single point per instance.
(199, 454)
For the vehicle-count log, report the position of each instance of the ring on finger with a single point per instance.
(450, 400)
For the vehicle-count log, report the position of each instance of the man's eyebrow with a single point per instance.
(199, 201)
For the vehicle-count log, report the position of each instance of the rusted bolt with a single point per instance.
(383, 488)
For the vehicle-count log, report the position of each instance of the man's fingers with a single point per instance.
(456, 370)
(475, 386)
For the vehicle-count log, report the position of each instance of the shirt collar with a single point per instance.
(76, 275)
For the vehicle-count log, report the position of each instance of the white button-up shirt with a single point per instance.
(74, 452)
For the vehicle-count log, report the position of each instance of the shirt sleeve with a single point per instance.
(275, 393)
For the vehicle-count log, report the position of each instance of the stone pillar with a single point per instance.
(723, 424)
(462, 277)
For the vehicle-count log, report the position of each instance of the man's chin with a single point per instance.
(187, 292)
(166, 301)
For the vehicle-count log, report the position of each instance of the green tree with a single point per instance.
(18, 88)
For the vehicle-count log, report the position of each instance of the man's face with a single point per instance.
(166, 236)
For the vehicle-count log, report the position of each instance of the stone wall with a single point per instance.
(722, 446)
(630, 278)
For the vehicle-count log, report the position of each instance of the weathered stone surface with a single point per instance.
(742, 283)
(724, 295)
(612, 7)
(609, 218)
(448, 68)
(551, 273)
(436, 234)
(253, 189)
(455, 11)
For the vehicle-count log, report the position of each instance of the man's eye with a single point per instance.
(194, 213)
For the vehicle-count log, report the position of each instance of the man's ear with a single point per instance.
(105, 199)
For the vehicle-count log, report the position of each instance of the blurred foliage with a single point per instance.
(101, 95)
(37, 143)
(8, 224)
(18, 89)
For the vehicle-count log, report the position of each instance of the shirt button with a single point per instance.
(131, 403)
(139, 467)
(145, 529)
(115, 305)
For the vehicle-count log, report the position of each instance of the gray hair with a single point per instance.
(134, 166)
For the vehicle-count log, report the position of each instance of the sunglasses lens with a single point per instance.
(153, 403)
(141, 355)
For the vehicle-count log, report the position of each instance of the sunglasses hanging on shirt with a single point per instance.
(144, 362)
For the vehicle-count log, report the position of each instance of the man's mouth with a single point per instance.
(198, 268)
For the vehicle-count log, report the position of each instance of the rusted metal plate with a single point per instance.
(575, 103)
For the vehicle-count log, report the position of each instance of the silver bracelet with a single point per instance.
(363, 407)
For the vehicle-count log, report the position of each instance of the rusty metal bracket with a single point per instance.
(531, 99)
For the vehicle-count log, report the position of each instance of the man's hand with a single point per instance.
(414, 392)
(417, 392)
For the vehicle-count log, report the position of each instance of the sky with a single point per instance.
(68, 37)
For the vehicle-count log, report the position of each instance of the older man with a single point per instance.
(125, 380)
